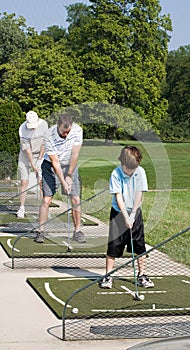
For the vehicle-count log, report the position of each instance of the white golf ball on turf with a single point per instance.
(75, 310)
(142, 297)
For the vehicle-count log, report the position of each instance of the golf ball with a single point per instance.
(75, 310)
(142, 297)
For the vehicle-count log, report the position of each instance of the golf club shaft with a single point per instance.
(133, 257)
(68, 218)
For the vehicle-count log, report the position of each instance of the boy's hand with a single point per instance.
(128, 222)
(132, 218)
(127, 218)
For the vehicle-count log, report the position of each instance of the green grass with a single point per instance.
(170, 209)
(97, 162)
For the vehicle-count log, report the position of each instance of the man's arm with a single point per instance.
(57, 168)
(74, 158)
(42, 150)
(31, 160)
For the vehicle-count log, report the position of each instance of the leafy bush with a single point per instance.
(11, 116)
(7, 165)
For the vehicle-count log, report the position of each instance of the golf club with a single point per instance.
(136, 294)
(132, 293)
(69, 247)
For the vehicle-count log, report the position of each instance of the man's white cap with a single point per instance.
(32, 120)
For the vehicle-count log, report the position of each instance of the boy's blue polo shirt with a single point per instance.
(127, 185)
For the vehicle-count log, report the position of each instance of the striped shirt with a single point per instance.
(54, 144)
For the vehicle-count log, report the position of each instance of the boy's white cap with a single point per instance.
(32, 120)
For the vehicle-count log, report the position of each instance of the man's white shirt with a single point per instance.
(54, 144)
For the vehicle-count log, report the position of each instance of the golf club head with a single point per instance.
(69, 248)
(138, 297)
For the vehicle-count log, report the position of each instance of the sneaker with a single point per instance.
(106, 282)
(144, 281)
(20, 213)
(39, 238)
(79, 237)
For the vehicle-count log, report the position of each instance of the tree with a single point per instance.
(78, 15)
(105, 120)
(47, 78)
(176, 91)
(178, 78)
(123, 47)
(55, 32)
(13, 37)
(11, 117)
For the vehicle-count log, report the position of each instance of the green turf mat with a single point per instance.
(9, 190)
(12, 202)
(85, 221)
(6, 218)
(25, 247)
(170, 296)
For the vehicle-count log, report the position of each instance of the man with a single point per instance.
(31, 134)
(128, 181)
(62, 147)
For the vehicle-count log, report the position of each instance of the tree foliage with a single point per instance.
(178, 78)
(56, 32)
(45, 78)
(11, 117)
(114, 50)
(12, 36)
(176, 91)
(48, 77)
(123, 47)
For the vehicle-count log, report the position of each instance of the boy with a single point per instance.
(127, 183)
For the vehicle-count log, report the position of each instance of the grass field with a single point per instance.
(168, 170)
(158, 159)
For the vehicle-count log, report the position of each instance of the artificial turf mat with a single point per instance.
(10, 218)
(170, 296)
(25, 247)
(10, 221)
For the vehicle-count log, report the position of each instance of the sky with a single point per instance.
(42, 14)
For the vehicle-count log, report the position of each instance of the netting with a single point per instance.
(115, 313)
